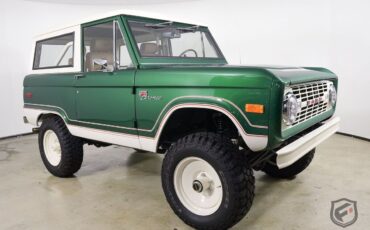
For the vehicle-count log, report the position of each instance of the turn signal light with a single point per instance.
(254, 108)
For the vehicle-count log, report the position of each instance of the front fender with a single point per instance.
(256, 142)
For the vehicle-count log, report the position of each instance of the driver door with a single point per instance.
(104, 98)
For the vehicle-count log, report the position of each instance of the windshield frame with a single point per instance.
(172, 59)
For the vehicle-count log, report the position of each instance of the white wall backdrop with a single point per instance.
(329, 33)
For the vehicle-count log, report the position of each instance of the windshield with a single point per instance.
(167, 40)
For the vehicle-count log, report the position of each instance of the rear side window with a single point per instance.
(56, 52)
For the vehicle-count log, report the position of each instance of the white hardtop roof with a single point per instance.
(115, 13)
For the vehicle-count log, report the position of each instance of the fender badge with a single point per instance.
(143, 93)
(144, 96)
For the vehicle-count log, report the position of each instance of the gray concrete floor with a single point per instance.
(118, 188)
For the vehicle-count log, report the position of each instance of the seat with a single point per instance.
(149, 49)
(100, 49)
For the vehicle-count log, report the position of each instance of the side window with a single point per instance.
(54, 52)
(98, 42)
(105, 48)
(123, 59)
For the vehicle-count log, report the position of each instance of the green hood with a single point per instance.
(229, 75)
(294, 75)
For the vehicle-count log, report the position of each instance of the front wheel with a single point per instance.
(292, 170)
(140, 150)
(206, 182)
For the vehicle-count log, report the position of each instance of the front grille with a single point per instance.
(314, 99)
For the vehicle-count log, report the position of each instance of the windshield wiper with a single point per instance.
(159, 25)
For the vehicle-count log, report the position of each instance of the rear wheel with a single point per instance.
(206, 183)
(61, 152)
(292, 170)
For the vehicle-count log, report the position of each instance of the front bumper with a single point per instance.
(292, 152)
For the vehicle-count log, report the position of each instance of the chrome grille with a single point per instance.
(314, 99)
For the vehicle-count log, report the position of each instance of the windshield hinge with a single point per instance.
(133, 90)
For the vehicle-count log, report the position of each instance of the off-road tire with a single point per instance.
(235, 175)
(71, 148)
(140, 150)
(292, 170)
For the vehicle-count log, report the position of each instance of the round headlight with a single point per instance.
(332, 95)
(291, 108)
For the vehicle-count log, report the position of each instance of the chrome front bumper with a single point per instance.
(289, 154)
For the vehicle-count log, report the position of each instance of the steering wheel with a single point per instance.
(188, 50)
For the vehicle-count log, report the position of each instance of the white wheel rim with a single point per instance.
(198, 186)
(52, 147)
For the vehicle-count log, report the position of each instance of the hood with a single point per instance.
(221, 75)
(294, 75)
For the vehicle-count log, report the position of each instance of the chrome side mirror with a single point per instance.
(103, 64)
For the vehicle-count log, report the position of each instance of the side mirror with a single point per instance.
(103, 65)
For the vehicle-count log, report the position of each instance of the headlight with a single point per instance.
(332, 95)
(291, 108)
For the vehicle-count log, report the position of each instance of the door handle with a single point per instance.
(78, 76)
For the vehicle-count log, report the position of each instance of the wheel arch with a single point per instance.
(254, 142)
(36, 116)
(188, 119)
(42, 116)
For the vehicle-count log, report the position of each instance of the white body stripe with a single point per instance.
(254, 142)
(160, 114)
(110, 137)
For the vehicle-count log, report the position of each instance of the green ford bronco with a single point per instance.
(164, 86)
